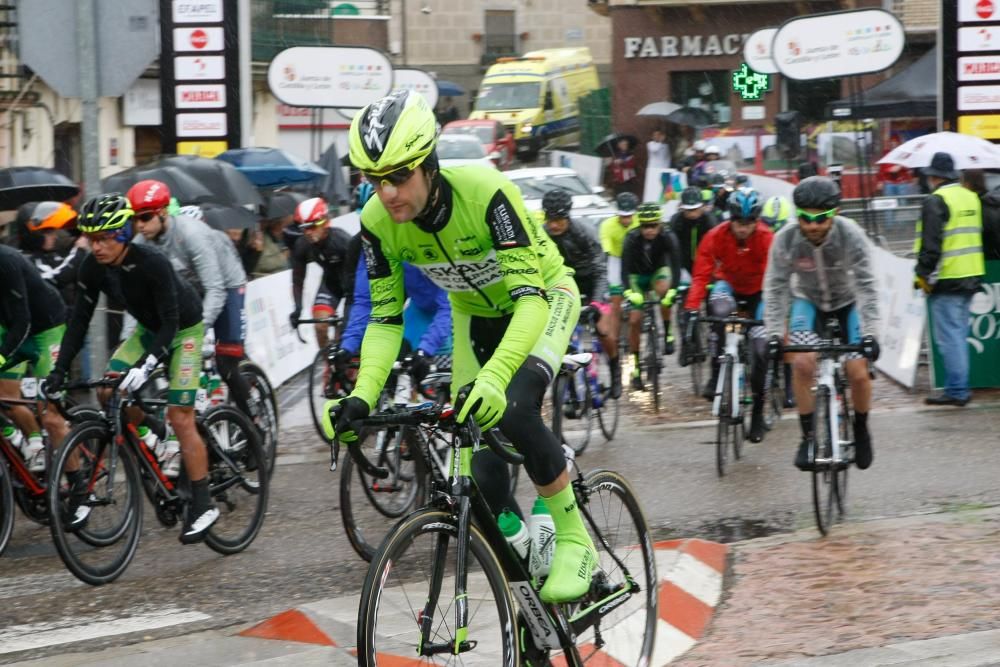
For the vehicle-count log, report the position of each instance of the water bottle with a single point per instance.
(13, 436)
(542, 530)
(515, 532)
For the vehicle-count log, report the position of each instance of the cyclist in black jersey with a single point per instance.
(689, 225)
(32, 317)
(170, 328)
(582, 252)
(327, 246)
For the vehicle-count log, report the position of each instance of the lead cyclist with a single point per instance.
(514, 307)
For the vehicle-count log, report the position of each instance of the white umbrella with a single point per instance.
(969, 152)
(658, 109)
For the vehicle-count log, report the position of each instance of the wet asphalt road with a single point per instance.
(925, 461)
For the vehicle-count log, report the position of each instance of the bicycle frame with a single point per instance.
(548, 627)
(829, 367)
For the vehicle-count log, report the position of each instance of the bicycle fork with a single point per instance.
(826, 379)
(460, 489)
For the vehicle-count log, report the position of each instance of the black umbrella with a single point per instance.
(334, 188)
(228, 217)
(282, 204)
(690, 116)
(227, 185)
(183, 186)
(609, 143)
(20, 185)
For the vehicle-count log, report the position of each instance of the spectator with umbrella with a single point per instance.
(950, 268)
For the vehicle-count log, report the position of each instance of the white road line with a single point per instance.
(37, 635)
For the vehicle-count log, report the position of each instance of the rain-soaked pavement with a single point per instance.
(927, 461)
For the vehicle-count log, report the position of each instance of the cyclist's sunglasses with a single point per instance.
(816, 218)
(395, 178)
(744, 221)
(650, 225)
(146, 216)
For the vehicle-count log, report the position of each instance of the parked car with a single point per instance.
(588, 202)
(455, 150)
(491, 133)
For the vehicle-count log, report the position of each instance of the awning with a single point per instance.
(911, 93)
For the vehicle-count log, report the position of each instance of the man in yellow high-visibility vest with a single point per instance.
(949, 270)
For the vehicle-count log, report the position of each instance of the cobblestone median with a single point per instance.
(868, 585)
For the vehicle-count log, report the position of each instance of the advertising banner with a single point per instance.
(970, 31)
(757, 51)
(199, 44)
(903, 314)
(348, 77)
(590, 168)
(984, 335)
(824, 46)
(271, 342)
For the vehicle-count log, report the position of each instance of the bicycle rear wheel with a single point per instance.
(366, 503)
(572, 409)
(410, 583)
(98, 551)
(6, 506)
(263, 409)
(724, 425)
(238, 478)
(824, 472)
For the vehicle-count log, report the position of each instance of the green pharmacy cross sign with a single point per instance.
(750, 85)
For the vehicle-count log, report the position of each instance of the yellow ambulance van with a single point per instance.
(535, 96)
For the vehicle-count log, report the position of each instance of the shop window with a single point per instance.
(810, 97)
(704, 90)
(499, 39)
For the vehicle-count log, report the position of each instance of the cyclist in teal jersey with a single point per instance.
(514, 307)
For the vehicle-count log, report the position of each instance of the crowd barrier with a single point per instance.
(271, 342)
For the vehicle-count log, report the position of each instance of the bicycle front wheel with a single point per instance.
(626, 567)
(572, 409)
(607, 412)
(407, 610)
(237, 477)
(653, 364)
(725, 420)
(774, 396)
(365, 502)
(6, 506)
(263, 408)
(824, 469)
(105, 486)
(320, 380)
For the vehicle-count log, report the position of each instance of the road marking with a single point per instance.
(65, 631)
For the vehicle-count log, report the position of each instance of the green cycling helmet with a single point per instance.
(106, 213)
(649, 212)
(776, 212)
(396, 132)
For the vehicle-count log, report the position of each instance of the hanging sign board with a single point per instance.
(757, 51)
(970, 54)
(330, 76)
(838, 44)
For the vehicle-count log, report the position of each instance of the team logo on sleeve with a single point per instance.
(375, 261)
(505, 224)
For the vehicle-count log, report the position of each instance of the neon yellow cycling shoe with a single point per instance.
(575, 557)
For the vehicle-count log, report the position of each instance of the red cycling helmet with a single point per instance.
(149, 195)
(312, 212)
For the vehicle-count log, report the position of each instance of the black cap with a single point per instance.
(691, 198)
(942, 166)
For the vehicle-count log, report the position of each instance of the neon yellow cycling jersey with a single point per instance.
(480, 244)
(613, 235)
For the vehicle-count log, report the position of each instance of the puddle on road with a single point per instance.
(727, 529)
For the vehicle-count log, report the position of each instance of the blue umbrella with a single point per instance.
(449, 89)
(269, 167)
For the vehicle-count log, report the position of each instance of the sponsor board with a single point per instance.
(202, 40)
(206, 96)
(197, 11)
(201, 124)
